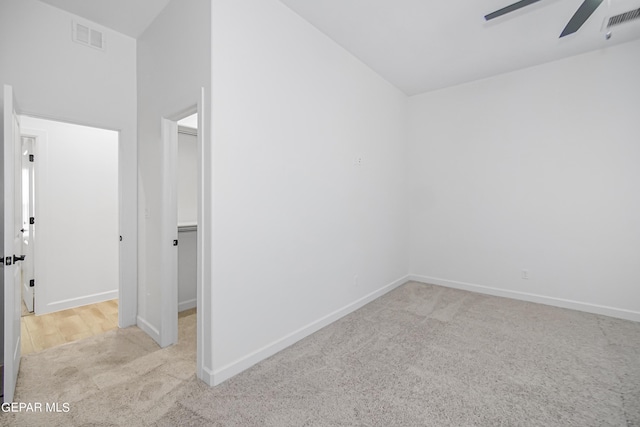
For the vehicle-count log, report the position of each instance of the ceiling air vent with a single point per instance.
(623, 17)
(88, 36)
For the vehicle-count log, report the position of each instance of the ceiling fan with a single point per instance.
(580, 17)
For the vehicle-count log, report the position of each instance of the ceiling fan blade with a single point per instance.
(582, 14)
(510, 8)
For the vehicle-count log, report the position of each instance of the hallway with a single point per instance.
(122, 366)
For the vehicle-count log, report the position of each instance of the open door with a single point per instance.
(12, 237)
(169, 290)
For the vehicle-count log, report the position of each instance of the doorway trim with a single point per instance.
(127, 292)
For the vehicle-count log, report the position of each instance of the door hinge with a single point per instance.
(32, 158)
(175, 243)
(32, 283)
(32, 220)
(121, 238)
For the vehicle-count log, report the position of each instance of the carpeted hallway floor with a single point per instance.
(421, 355)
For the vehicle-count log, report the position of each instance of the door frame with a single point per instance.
(127, 295)
(168, 332)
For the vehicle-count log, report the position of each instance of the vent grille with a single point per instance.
(623, 17)
(96, 39)
(82, 34)
(88, 36)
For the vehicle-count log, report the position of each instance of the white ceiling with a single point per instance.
(419, 45)
(422, 45)
(130, 17)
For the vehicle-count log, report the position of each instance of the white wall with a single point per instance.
(56, 78)
(301, 235)
(76, 256)
(537, 170)
(173, 65)
(187, 179)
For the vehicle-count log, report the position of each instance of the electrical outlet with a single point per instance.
(525, 274)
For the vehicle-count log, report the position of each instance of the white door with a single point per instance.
(12, 241)
(169, 285)
(28, 226)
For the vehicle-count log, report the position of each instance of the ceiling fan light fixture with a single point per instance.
(583, 13)
(511, 8)
(623, 17)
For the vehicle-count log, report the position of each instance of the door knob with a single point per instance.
(18, 258)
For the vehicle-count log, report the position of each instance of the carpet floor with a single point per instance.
(421, 355)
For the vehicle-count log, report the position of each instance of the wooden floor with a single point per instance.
(51, 330)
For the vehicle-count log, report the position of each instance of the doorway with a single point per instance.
(70, 223)
(170, 329)
(187, 215)
(187, 207)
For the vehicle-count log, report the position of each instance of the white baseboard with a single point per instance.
(207, 376)
(619, 313)
(149, 329)
(186, 305)
(220, 375)
(76, 302)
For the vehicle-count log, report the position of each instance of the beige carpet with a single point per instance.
(420, 356)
